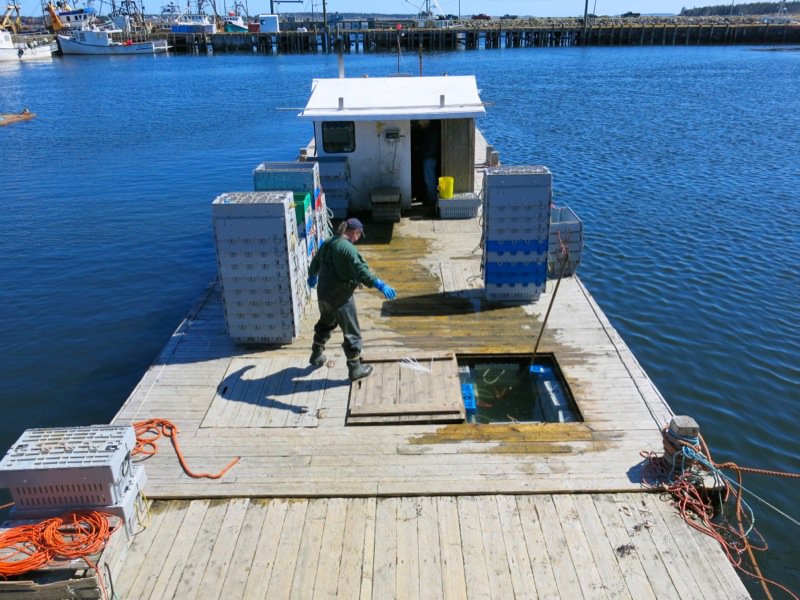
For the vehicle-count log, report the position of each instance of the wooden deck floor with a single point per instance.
(316, 508)
(612, 546)
(287, 421)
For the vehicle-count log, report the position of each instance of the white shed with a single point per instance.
(396, 132)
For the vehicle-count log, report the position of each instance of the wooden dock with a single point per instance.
(494, 36)
(319, 508)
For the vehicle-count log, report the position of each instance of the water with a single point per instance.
(682, 163)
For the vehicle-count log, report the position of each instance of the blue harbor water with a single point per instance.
(682, 163)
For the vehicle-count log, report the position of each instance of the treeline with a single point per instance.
(753, 8)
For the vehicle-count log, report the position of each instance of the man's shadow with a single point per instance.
(281, 383)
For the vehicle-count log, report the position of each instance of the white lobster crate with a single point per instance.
(67, 467)
(566, 230)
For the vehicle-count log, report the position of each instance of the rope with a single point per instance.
(73, 535)
(682, 471)
(565, 252)
(150, 431)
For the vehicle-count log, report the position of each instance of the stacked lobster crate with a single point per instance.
(516, 223)
(303, 179)
(51, 471)
(262, 264)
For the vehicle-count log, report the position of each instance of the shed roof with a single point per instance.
(393, 98)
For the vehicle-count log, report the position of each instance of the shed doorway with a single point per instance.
(426, 143)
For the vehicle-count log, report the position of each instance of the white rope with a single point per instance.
(411, 363)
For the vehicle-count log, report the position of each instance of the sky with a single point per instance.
(537, 8)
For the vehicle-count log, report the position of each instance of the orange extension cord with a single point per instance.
(149, 432)
(699, 513)
(73, 535)
(79, 534)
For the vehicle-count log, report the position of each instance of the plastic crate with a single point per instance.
(566, 228)
(243, 205)
(460, 206)
(65, 467)
(513, 293)
(468, 394)
(302, 211)
(513, 247)
(128, 508)
(515, 272)
(292, 176)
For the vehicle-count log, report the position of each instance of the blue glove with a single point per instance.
(387, 290)
(312, 281)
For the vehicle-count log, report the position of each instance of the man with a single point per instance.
(340, 269)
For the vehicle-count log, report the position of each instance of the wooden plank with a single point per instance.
(308, 389)
(151, 568)
(644, 531)
(385, 560)
(475, 569)
(369, 563)
(222, 557)
(364, 410)
(588, 575)
(283, 569)
(331, 552)
(279, 407)
(454, 584)
(564, 570)
(254, 392)
(407, 577)
(200, 553)
(236, 578)
(308, 553)
(351, 566)
(611, 511)
(313, 386)
(236, 383)
(403, 419)
(269, 538)
(519, 564)
(142, 545)
(179, 548)
(497, 559)
(712, 579)
(430, 555)
(603, 553)
(700, 550)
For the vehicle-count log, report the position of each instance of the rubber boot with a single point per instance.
(356, 370)
(317, 357)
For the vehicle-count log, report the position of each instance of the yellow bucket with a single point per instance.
(445, 188)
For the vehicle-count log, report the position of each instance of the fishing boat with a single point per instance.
(102, 41)
(16, 51)
(233, 23)
(422, 479)
(193, 23)
(63, 16)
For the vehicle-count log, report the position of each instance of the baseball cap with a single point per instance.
(353, 223)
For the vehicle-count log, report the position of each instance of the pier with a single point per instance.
(488, 37)
(317, 506)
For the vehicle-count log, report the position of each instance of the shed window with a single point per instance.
(338, 136)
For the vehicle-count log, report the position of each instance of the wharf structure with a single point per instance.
(490, 37)
(319, 506)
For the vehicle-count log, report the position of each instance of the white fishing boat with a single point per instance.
(15, 51)
(102, 41)
(63, 16)
(194, 23)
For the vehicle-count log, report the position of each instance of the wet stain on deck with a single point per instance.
(424, 317)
